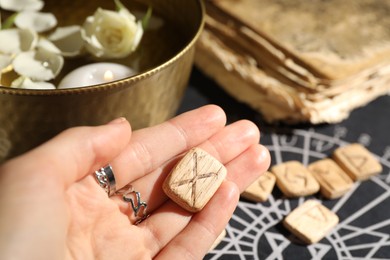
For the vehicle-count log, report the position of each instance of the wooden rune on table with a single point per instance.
(260, 189)
(311, 221)
(334, 182)
(357, 161)
(294, 180)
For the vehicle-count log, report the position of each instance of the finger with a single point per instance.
(226, 145)
(192, 235)
(248, 166)
(231, 142)
(74, 153)
(150, 148)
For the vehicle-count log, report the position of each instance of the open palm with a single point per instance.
(55, 208)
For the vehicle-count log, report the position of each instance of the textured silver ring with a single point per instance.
(134, 198)
(105, 178)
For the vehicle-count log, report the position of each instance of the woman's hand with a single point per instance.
(52, 207)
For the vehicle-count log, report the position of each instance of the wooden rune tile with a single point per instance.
(294, 180)
(334, 182)
(357, 161)
(194, 180)
(260, 189)
(311, 221)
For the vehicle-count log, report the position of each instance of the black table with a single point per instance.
(255, 230)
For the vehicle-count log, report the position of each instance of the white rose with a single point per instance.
(110, 34)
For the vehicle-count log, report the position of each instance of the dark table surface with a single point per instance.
(255, 230)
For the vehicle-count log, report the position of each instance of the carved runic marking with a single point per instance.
(195, 178)
(295, 177)
(264, 181)
(317, 213)
(358, 161)
(322, 175)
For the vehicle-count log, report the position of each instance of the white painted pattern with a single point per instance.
(255, 230)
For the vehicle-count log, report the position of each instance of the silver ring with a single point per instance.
(105, 178)
(134, 198)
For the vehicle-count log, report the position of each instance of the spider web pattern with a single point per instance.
(255, 230)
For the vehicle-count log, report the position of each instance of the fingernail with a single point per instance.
(118, 120)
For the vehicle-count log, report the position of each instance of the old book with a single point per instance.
(273, 73)
(335, 39)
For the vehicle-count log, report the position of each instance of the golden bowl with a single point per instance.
(165, 59)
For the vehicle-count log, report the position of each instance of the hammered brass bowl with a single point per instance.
(165, 58)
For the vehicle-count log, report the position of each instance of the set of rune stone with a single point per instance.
(198, 175)
(332, 177)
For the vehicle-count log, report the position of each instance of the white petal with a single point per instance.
(126, 13)
(39, 66)
(48, 45)
(26, 83)
(68, 40)
(27, 65)
(50, 60)
(5, 62)
(21, 5)
(13, 41)
(10, 41)
(37, 21)
(28, 39)
(138, 35)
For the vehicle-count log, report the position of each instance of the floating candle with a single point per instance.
(94, 74)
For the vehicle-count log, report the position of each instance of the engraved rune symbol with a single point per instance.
(327, 172)
(195, 178)
(262, 182)
(358, 161)
(331, 178)
(295, 178)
